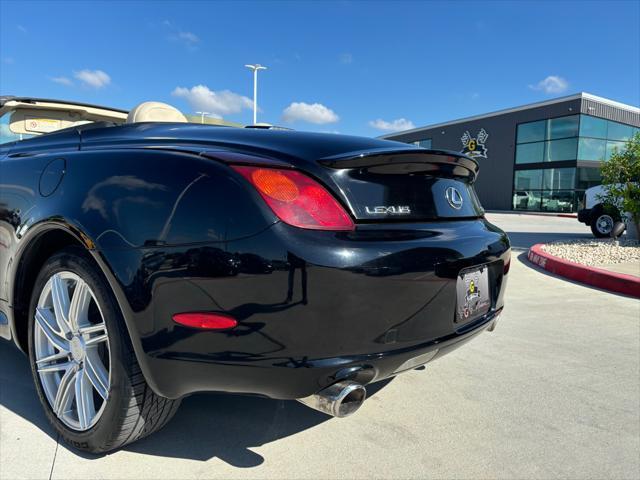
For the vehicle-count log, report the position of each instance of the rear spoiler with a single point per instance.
(411, 160)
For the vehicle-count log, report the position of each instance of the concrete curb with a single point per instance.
(564, 215)
(539, 214)
(596, 277)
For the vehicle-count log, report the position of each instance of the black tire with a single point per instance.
(597, 225)
(132, 409)
(603, 219)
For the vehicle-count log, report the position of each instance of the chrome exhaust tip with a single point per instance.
(338, 400)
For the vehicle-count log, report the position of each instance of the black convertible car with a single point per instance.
(144, 258)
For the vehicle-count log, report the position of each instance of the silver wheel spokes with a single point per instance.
(605, 224)
(72, 349)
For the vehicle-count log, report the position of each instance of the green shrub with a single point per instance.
(621, 175)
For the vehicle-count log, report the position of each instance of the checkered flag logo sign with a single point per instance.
(475, 147)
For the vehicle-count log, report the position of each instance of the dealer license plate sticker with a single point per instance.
(473, 299)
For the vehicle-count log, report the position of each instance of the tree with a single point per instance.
(621, 175)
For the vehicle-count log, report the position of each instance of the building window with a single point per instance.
(532, 132)
(613, 146)
(588, 177)
(528, 180)
(426, 143)
(526, 200)
(548, 189)
(559, 179)
(551, 140)
(619, 131)
(562, 139)
(563, 127)
(558, 201)
(593, 127)
(530, 152)
(558, 150)
(594, 133)
(599, 138)
(592, 149)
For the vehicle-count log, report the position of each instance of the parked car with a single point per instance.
(144, 258)
(525, 200)
(595, 213)
(557, 203)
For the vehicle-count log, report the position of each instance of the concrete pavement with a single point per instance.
(629, 268)
(554, 392)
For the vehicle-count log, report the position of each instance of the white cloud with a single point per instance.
(66, 81)
(346, 58)
(551, 84)
(188, 38)
(21, 28)
(93, 78)
(222, 102)
(393, 126)
(312, 113)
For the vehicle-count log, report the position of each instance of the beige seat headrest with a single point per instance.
(155, 112)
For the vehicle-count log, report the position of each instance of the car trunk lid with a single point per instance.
(401, 185)
(387, 185)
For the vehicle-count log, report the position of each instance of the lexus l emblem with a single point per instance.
(454, 198)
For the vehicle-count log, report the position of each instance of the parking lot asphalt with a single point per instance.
(554, 392)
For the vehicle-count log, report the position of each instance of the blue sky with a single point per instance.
(350, 67)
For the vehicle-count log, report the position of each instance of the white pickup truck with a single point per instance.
(596, 214)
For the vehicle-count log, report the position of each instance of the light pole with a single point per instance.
(202, 115)
(255, 69)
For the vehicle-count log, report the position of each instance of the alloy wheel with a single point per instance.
(71, 349)
(604, 224)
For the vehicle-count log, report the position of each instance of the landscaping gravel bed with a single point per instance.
(595, 252)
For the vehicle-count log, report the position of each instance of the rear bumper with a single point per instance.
(293, 378)
(313, 307)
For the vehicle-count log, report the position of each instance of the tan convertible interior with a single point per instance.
(38, 117)
(155, 112)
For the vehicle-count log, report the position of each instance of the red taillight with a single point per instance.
(205, 320)
(297, 199)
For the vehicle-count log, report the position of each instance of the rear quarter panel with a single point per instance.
(117, 201)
